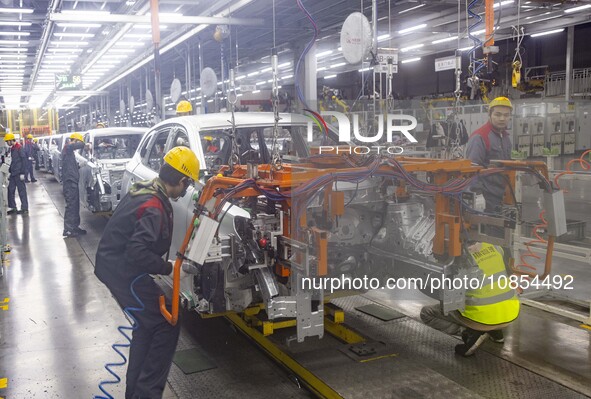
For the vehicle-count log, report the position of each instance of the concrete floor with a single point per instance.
(56, 332)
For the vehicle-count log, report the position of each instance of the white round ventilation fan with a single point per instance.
(209, 81)
(175, 90)
(356, 38)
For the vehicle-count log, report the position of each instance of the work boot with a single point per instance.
(472, 340)
(23, 212)
(11, 211)
(80, 231)
(68, 233)
(34, 180)
(497, 336)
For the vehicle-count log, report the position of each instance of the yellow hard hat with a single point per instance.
(208, 138)
(9, 137)
(500, 101)
(77, 136)
(184, 160)
(184, 107)
(100, 125)
(35, 139)
(29, 136)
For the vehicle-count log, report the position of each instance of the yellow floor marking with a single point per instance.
(3, 382)
(377, 358)
(585, 326)
(4, 304)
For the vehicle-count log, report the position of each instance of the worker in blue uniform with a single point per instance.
(134, 242)
(16, 180)
(70, 179)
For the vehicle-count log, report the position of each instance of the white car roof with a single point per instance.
(218, 120)
(114, 131)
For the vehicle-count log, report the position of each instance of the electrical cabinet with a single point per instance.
(569, 143)
(583, 127)
(537, 145)
(556, 142)
(524, 144)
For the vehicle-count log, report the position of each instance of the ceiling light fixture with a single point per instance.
(502, 3)
(447, 39)
(15, 33)
(77, 25)
(411, 60)
(73, 34)
(14, 42)
(547, 33)
(579, 8)
(68, 43)
(412, 8)
(84, 13)
(17, 10)
(403, 31)
(130, 44)
(330, 76)
(13, 23)
(416, 46)
(323, 53)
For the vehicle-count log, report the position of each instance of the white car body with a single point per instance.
(102, 168)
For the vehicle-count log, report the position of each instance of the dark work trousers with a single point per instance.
(15, 182)
(153, 342)
(72, 212)
(36, 158)
(29, 173)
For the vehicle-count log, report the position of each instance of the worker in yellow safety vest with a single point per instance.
(487, 310)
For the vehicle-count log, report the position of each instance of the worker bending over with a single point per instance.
(134, 241)
(487, 310)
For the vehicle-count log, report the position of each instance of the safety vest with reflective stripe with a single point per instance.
(491, 304)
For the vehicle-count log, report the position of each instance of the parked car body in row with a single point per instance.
(42, 154)
(56, 144)
(102, 164)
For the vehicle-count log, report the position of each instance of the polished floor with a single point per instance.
(57, 323)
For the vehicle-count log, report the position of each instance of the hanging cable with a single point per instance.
(303, 55)
(234, 159)
(517, 61)
(123, 330)
(585, 165)
(276, 162)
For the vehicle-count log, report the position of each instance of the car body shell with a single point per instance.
(103, 164)
(190, 131)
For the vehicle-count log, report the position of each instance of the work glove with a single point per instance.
(479, 202)
(30, 158)
(168, 268)
(22, 177)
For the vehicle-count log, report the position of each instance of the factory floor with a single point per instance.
(57, 323)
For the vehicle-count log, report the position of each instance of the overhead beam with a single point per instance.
(80, 93)
(145, 19)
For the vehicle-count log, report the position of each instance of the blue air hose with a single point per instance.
(117, 347)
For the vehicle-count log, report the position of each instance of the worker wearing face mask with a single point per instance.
(132, 247)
